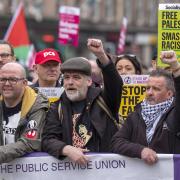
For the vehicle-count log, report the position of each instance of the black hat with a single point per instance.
(79, 64)
(133, 59)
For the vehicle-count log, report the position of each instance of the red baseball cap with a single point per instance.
(46, 55)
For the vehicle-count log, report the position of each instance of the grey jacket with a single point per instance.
(28, 132)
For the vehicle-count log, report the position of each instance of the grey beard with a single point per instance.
(74, 97)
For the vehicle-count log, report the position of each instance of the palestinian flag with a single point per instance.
(17, 35)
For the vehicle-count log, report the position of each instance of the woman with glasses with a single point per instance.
(127, 64)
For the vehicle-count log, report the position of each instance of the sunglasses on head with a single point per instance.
(126, 55)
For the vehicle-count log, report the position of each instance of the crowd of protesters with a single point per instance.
(84, 118)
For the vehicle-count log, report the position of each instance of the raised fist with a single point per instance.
(169, 57)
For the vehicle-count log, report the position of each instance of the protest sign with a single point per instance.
(69, 25)
(168, 29)
(133, 92)
(53, 93)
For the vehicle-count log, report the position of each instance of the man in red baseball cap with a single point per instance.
(47, 67)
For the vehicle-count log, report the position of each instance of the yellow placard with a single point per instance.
(168, 30)
(131, 96)
(134, 89)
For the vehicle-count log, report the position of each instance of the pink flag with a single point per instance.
(31, 57)
(122, 36)
(69, 25)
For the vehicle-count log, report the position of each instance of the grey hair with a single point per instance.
(167, 76)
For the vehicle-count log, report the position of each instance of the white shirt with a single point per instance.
(10, 128)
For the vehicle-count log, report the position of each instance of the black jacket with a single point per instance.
(58, 131)
(131, 138)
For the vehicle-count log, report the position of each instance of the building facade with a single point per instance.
(99, 18)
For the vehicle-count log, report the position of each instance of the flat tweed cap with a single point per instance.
(79, 64)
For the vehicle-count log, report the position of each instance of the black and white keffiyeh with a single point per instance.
(151, 113)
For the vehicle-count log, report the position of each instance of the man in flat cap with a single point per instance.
(78, 122)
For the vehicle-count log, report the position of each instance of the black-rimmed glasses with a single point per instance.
(11, 80)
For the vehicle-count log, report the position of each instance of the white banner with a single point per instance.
(52, 93)
(100, 167)
(171, 6)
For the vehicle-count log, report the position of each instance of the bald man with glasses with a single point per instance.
(22, 114)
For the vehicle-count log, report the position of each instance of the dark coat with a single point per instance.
(131, 138)
(58, 131)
